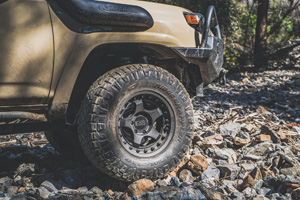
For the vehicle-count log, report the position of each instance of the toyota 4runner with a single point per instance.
(115, 74)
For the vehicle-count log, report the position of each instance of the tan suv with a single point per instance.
(111, 73)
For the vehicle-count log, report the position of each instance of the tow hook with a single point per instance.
(223, 79)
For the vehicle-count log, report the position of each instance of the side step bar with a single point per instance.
(37, 122)
(7, 129)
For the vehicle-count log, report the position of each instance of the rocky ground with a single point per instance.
(246, 146)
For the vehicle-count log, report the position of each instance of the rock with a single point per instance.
(292, 171)
(96, 190)
(230, 129)
(186, 176)
(266, 172)
(249, 192)
(263, 138)
(241, 141)
(210, 141)
(249, 127)
(256, 174)
(220, 162)
(165, 192)
(247, 182)
(160, 183)
(181, 164)
(43, 192)
(296, 194)
(12, 190)
(198, 164)
(226, 154)
(175, 181)
(260, 197)
(261, 149)
(248, 167)
(229, 171)
(25, 169)
(258, 184)
(49, 186)
(236, 195)
(212, 172)
(296, 129)
(5, 183)
(141, 187)
(189, 193)
(263, 191)
(211, 193)
(20, 196)
(274, 137)
(253, 157)
(71, 178)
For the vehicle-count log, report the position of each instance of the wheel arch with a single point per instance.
(70, 90)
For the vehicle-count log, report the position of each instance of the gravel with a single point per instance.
(246, 146)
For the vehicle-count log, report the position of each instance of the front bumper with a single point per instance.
(209, 58)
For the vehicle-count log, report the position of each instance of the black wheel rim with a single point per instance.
(146, 124)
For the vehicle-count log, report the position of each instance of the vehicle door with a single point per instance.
(26, 52)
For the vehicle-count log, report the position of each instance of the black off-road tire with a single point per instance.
(102, 137)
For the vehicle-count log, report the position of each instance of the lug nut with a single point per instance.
(135, 131)
(144, 131)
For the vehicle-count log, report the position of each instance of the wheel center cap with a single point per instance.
(140, 122)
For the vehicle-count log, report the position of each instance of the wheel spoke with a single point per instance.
(137, 139)
(126, 122)
(139, 106)
(153, 133)
(155, 114)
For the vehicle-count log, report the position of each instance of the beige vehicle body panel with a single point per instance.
(170, 29)
(26, 52)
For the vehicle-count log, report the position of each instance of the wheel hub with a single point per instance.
(140, 123)
(145, 124)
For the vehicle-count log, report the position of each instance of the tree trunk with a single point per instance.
(261, 36)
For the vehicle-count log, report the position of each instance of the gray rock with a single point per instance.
(262, 149)
(96, 190)
(248, 167)
(263, 191)
(20, 196)
(25, 169)
(175, 181)
(258, 184)
(211, 193)
(49, 186)
(160, 183)
(186, 176)
(43, 192)
(226, 154)
(5, 183)
(249, 192)
(229, 171)
(212, 172)
(220, 162)
(292, 171)
(296, 129)
(12, 190)
(253, 157)
(243, 135)
(230, 129)
(208, 182)
(237, 195)
(71, 177)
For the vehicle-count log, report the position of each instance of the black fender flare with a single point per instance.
(86, 16)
